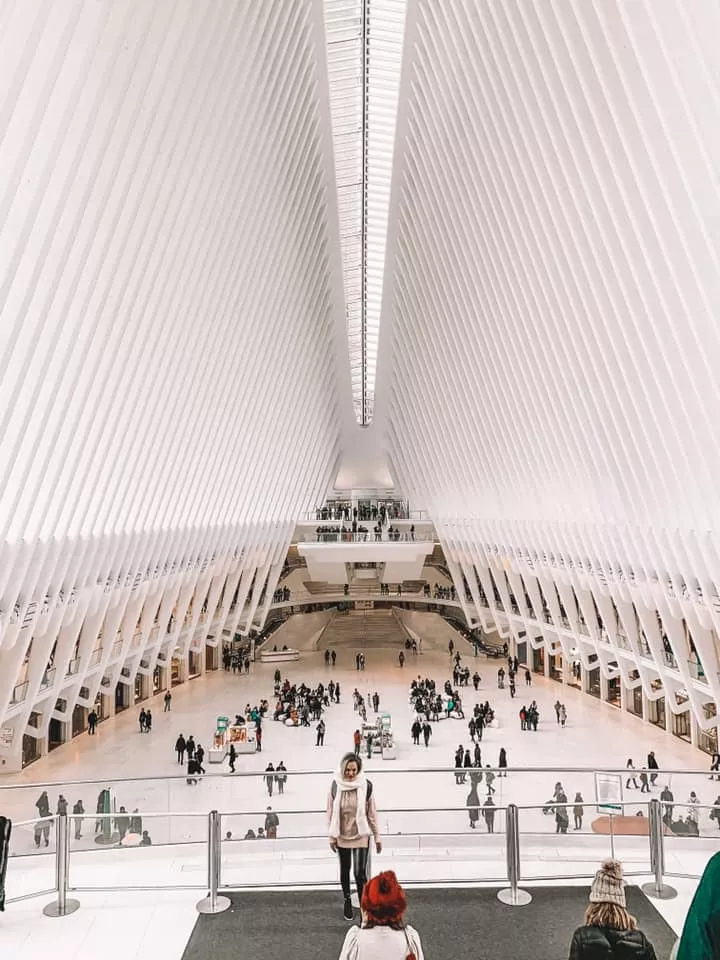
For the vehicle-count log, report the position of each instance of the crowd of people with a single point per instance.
(235, 660)
(124, 828)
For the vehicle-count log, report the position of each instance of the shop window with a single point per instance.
(594, 688)
(614, 691)
(656, 712)
(681, 725)
(539, 660)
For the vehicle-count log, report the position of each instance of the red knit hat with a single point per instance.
(384, 899)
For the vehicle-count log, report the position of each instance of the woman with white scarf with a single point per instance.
(352, 821)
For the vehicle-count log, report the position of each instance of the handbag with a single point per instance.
(411, 952)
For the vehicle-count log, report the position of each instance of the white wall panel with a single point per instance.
(171, 389)
(548, 379)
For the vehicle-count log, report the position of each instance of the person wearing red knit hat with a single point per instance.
(383, 934)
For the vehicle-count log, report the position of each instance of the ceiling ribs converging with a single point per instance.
(364, 40)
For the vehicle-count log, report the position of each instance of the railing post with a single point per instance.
(61, 907)
(657, 889)
(512, 896)
(213, 903)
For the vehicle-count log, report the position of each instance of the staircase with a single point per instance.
(364, 628)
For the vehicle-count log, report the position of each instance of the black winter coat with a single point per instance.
(602, 943)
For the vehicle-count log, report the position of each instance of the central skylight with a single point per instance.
(365, 39)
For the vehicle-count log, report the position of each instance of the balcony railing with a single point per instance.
(436, 843)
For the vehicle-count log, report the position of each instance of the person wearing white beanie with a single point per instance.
(609, 931)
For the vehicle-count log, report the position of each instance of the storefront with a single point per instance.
(79, 720)
(593, 683)
(194, 664)
(211, 657)
(556, 667)
(30, 749)
(681, 724)
(176, 671)
(656, 712)
(140, 690)
(157, 680)
(538, 660)
(614, 692)
(56, 734)
(708, 739)
(634, 701)
(121, 698)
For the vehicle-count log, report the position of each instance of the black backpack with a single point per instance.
(333, 789)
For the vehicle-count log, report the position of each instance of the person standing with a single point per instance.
(609, 930)
(141, 721)
(667, 800)
(258, 738)
(352, 823)
(92, 722)
(232, 757)
(502, 763)
(78, 811)
(458, 759)
(199, 757)
(148, 721)
(357, 740)
(478, 756)
(167, 699)
(190, 747)
(401, 659)
(337, 687)
(489, 814)
(43, 804)
(122, 822)
(62, 806)
(180, 747)
(383, 932)
(630, 766)
(376, 704)
(578, 811)
(272, 822)
(269, 778)
(333, 657)
(427, 733)
(528, 678)
(320, 731)
(557, 711)
(489, 780)
(281, 776)
(693, 811)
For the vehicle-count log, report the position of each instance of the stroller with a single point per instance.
(548, 807)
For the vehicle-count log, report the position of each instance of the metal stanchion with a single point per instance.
(62, 906)
(657, 889)
(512, 896)
(213, 903)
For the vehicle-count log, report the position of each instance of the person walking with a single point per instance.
(383, 932)
(563, 715)
(78, 811)
(232, 757)
(644, 785)
(415, 731)
(281, 776)
(320, 734)
(258, 738)
(122, 822)
(190, 747)
(141, 721)
(352, 823)
(557, 711)
(502, 762)
(652, 765)
(458, 759)
(401, 659)
(528, 678)
(357, 740)
(269, 778)
(337, 687)
(148, 721)
(562, 818)
(473, 805)
(489, 780)
(427, 733)
(608, 930)
(167, 700)
(715, 812)
(92, 722)
(578, 811)
(630, 766)
(477, 758)
(333, 657)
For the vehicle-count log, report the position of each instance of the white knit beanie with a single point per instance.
(608, 886)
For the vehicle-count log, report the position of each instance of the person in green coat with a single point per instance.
(700, 938)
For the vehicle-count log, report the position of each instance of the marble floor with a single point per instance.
(422, 810)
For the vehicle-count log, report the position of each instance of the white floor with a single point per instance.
(422, 813)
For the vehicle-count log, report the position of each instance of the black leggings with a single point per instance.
(358, 858)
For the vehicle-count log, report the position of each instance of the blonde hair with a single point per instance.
(609, 915)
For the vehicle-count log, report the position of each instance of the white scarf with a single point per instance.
(359, 784)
